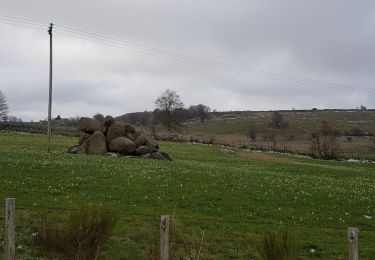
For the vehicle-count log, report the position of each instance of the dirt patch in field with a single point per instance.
(261, 157)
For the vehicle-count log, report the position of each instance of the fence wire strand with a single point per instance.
(192, 218)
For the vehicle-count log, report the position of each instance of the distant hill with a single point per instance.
(353, 129)
(137, 118)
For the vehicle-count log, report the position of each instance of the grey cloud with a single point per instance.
(323, 40)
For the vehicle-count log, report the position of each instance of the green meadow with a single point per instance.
(222, 200)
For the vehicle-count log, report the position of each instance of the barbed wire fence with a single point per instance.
(200, 237)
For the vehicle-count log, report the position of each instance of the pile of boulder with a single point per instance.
(115, 138)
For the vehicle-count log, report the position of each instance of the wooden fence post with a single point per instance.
(353, 243)
(10, 233)
(164, 237)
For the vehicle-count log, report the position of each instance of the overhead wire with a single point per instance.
(214, 66)
(24, 19)
(210, 62)
(25, 25)
(206, 63)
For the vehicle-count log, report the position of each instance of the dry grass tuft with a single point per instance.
(278, 246)
(82, 237)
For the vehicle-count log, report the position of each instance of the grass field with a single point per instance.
(233, 196)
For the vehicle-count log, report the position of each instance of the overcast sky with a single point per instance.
(322, 40)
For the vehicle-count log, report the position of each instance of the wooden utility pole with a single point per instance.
(50, 87)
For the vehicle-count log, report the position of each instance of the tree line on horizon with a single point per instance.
(169, 112)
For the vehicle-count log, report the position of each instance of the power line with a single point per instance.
(139, 48)
(210, 62)
(24, 19)
(22, 25)
(15, 20)
(193, 60)
(214, 66)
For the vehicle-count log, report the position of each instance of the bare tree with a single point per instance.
(323, 142)
(201, 111)
(252, 134)
(73, 121)
(169, 105)
(13, 119)
(323, 147)
(278, 120)
(3, 106)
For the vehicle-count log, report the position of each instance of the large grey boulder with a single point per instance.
(116, 129)
(130, 136)
(166, 155)
(158, 155)
(120, 129)
(83, 136)
(141, 140)
(96, 144)
(138, 133)
(90, 125)
(108, 120)
(115, 137)
(129, 128)
(141, 150)
(122, 145)
(152, 144)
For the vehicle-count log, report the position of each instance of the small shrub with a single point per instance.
(269, 136)
(355, 131)
(323, 142)
(252, 133)
(210, 140)
(278, 246)
(323, 147)
(153, 252)
(278, 120)
(82, 237)
(327, 130)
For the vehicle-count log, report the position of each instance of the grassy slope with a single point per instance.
(299, 122)
(202, 182)
(232, 128)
